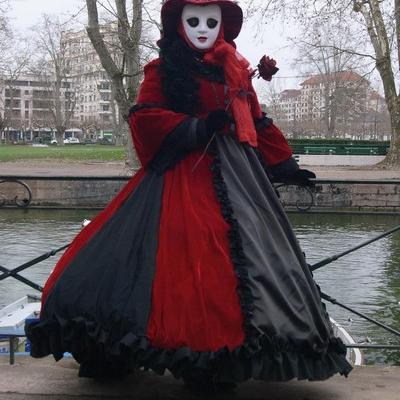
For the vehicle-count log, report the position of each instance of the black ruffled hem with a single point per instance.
(99, 355)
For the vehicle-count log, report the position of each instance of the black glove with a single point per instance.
(289, 172)
(263, 122)
(302, 177)
(216, 121)
(188, 136)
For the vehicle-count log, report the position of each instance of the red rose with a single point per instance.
(267, 68)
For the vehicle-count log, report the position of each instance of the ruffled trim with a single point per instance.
(260, 357)
(235, 241)
(99, 355)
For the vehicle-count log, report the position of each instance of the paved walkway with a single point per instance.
(31, 379)
(62, 168)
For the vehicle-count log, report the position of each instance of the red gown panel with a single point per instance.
(195, 301)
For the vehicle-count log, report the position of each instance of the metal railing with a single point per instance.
(23, 202)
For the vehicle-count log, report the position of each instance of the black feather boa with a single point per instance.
(179, 67)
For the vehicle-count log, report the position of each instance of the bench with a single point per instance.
(319, 150)
(361, 151)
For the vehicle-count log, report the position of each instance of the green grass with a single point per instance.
(71, 152)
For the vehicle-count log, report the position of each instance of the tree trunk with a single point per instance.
(393, 102)
(379, 38)
(393, 156)
(120, 132)
(125, 80)
(60, 130)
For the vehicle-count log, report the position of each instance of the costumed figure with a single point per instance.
(194, 267)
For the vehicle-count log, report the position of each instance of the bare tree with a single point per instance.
(12, 66)
(5, 29)
(270, 96)
(337, 93)
(58, 96)
(124, 71)
(93, 125)
(378, 24)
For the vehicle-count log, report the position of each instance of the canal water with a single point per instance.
(368, 280)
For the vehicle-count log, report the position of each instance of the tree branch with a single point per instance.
(397, 23)
(347, 51)
(137, 20)
(123, 23)
(380, 27)
(93, 31)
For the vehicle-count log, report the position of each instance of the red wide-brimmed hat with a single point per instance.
(232, 16)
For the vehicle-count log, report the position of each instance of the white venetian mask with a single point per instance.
(202, 24)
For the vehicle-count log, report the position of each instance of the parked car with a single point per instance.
(71, 140)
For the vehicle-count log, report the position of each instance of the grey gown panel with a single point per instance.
(286, 302)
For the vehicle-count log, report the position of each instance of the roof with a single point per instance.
(290, 93)
(343, 76)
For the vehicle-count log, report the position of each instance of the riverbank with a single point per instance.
(360, 195)
(64, 168)
(43, 379)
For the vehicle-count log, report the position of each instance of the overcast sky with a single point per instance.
(26, 13)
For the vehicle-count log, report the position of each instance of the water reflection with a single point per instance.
(388, 300)
(368, 280)
(27, 234)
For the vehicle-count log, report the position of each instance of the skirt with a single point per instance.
(194, 267)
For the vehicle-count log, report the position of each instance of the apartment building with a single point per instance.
(336, 104)
(94, 102)
(288, 105)
(27, 104)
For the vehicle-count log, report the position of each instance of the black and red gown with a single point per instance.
(193, 265)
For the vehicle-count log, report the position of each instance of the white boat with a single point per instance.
(354, 355)
(12, 322)
(13, 317)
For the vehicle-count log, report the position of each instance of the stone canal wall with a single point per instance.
(372, 196)
(62, 193)
(345, 196)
